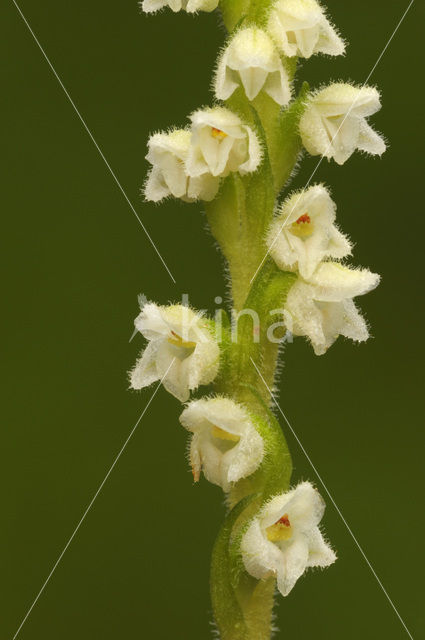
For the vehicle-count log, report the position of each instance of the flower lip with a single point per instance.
(280, 530)
(176, 340)
(218, 133)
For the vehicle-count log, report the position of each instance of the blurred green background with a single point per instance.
(75, 259)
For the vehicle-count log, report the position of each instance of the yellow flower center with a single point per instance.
(178, 341)
(218, 133)
(302, 227)
(280, 530)
(224, 435)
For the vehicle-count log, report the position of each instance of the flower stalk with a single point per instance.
(284, 255)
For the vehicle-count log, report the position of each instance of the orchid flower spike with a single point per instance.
(322, 307)
(167, 155)
(334, 122)
(225, 443)
(252, 60)
(300, 28)
(221, 143)
(191, 6)
(284, 539)
(181, 351)
(304, 232)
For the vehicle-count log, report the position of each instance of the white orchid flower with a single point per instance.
(167, 155)
(284, 539)
(225, 443)
(251, 60)
(221, 143)
(322, 307)
(300, 28)
(191, 6)
(334, 122)
(304, 233)
(181, 344)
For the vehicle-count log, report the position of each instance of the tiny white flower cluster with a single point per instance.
(188, 163)
(254, 57)
(183, 354)
(302, 238)
(283, 539)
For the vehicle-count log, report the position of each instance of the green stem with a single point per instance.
(239, 218)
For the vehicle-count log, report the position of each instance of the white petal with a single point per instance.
(226, 79)
(204, 187)
(320, 552)
(295, 559)
(149, 6)
(305, 507)
(353, 325)
(340, 98)
(335, 282)
(167, 154)
(191, 6)
(254, 153)
(145, 371)
(329, 41)
(201, 5)
(151, 323)
(155, 188)
(260, 556)
(278, 86)
(253, 79)
(172, 371)
(306, 317)
(245, 457)
(370, 141)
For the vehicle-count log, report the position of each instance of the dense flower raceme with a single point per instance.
(304, 232)
(251, 60)
(322, 308)
(181, 351)
(225, 443)
(167, 155)
(284, 539)
(221, 143)
(300, 28)
(191, 6)
(334, 122)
